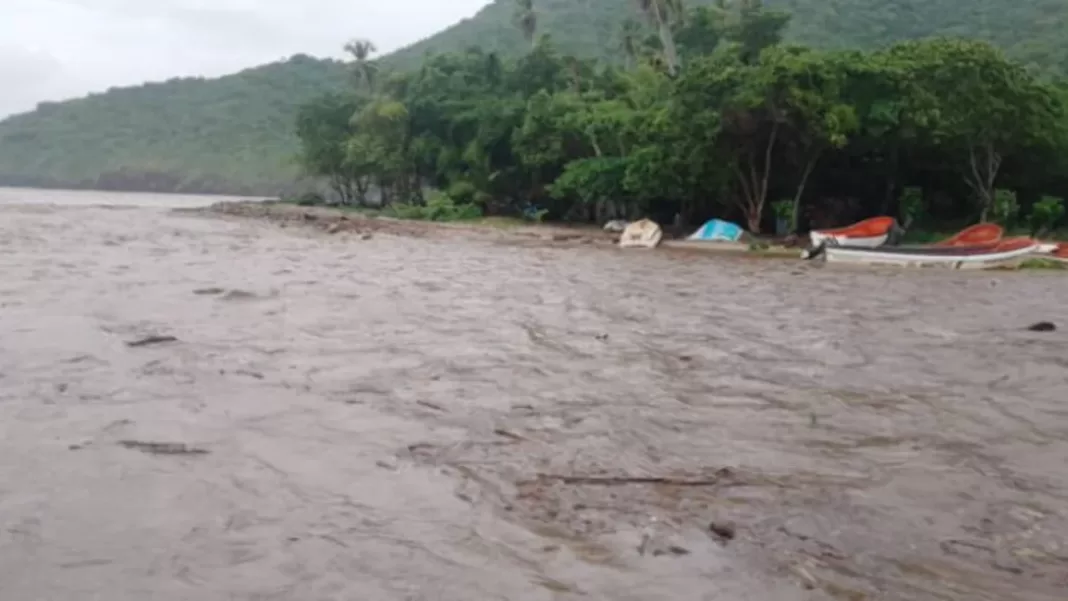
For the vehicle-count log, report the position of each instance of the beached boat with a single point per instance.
(715, 230)
(977, 235)
(714, 235)
(641, 234)
(1004, 253)
(869, 233)
(1048, 248)
(1060, 252)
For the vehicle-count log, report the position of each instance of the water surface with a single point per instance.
(401, 418)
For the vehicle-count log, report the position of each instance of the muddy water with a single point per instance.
(401, 418)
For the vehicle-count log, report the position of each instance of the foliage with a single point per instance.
(235, 134)
(1046, 214)
(946, 128)
(1005, 208)
(438, 207)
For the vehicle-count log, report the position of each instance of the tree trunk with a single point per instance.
(809, 166)
(667, 39)
(985, 162)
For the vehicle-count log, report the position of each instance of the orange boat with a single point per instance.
(983, 234)
(1061, 252)
(869, 233)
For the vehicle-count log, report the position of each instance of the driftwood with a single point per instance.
(720, 477)
(150, 340)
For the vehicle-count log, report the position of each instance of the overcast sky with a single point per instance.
(58, 49)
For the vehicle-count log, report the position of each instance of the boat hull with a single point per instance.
(641, 234)
(819, 238)
(1007, 254)
(869, 233)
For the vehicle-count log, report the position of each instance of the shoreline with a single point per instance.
(334, 221)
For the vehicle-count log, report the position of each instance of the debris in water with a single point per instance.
(722, 475)
(725, 531)
(507, 434)
(239, 295)
(430, 405)
(162, 448)
(150, 340)
(207, 291)
(1042, 326)
(671, 550)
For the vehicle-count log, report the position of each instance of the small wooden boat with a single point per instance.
(641, 234)
(985, 256)
(869, 233)
(976, 235)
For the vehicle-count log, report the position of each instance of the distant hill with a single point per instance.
(235, 133)
(231, 134)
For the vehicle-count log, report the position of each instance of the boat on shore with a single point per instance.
(870, 233)
(1060, 252)
(976, 235)
(643, 233)
(1003, 253)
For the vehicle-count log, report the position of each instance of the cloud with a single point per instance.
(57, 49)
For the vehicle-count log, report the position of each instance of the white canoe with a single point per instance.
(641, 234)
(1004, 254)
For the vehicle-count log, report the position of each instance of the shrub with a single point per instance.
(439, 207)
(1045, 214)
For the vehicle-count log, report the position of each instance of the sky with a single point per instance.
(59, 49)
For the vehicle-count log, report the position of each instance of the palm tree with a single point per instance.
(526, 19)
(365, 69)
(662, 14)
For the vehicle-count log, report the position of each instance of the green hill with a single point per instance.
(235, 133)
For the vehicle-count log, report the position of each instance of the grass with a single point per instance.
(1041, 263)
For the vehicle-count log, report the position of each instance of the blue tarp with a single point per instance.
(716, 230)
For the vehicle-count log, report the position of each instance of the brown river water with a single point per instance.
(449, 419)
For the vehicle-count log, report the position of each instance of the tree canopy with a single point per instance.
(235, 134)
(715, 114)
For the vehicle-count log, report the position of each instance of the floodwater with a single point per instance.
(444, 419)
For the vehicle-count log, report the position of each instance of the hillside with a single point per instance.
(232, 134)
(235, 134)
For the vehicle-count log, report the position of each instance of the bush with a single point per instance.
(1045, 214)
(911, 205)
(1005, 209)
(439, 207)
(307, 199)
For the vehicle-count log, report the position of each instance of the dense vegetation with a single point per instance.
(716, 116)
(234, 134)
(1030, 31)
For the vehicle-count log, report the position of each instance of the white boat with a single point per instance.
(870, 233)
(641, 234)
(1004, 253)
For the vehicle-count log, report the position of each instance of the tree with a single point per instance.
(987, 107)
(630, 41)
(527, 20)
(323, 130)
(365, 69)
(663, 15)
(813, 104)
